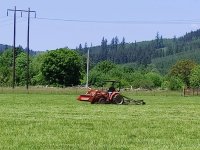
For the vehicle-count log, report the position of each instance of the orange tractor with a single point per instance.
(110, 95)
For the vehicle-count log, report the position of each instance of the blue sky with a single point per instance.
(51, 34)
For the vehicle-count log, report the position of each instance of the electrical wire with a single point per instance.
(196, 21)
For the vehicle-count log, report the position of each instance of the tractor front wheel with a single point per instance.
(118, 99)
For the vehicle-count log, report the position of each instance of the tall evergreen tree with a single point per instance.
(80, 48)
(123, 43)
(116, 42)
(112, 44)
(104, 49)
(157, 40)
(85, 47)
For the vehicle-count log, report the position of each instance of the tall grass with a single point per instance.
(43, 90)
(59, 121)
(82, 90)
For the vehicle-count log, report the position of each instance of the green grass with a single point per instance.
(54, 121)
(42, 90)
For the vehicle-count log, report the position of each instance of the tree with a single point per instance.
(123, 43)
(21, 69)
(175, 83)
(36, 65)
(195, 77)
(85, 48)
(101, 72)
(6, 60)
(112, 44)
(96, 78)
(116, 43)
(62, 67)
(137, 79)
(157, 40)
(161, 44)
(80, 49)
(104, 49)
(155, 78)
(105, 66)
(182, 69)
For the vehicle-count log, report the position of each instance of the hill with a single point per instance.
(160, 51)
(163, 64)
(4, 47)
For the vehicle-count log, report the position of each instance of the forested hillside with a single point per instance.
(164, 63)
(160, 51)
(4, 47)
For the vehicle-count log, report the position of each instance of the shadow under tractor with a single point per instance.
(110, 95)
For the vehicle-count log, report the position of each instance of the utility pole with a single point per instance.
(28, 31)
(14, 49)
(88, 59)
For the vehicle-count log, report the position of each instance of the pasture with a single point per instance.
(58, 121)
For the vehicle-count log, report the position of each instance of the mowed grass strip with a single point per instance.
(47, 121)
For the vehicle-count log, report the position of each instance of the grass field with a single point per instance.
(59, 121)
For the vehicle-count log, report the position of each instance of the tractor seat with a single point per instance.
(111, 89)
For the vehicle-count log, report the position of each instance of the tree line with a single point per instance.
(147, 64)
(61, 67)
(146, 52)
(184, 73)
(64, 67)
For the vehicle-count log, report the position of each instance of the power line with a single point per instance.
(177, 21)
(197, 21)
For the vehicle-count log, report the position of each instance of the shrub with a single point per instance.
(175, 83)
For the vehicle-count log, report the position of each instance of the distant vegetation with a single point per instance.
(161, 52)
(4, 47)
(148, 64)
(61, 67)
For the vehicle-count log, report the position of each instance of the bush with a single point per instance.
(155, 78)
(195, 77)
(182, 69)
(165, 85)
(62, 67)
(175, 83)
(146, 83)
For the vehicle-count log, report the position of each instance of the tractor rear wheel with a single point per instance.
(118, 99)
(102, 100)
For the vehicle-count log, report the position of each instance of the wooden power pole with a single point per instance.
(14, 47)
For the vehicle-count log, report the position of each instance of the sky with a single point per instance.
(89, 21)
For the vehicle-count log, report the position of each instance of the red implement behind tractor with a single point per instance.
(111, 95)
